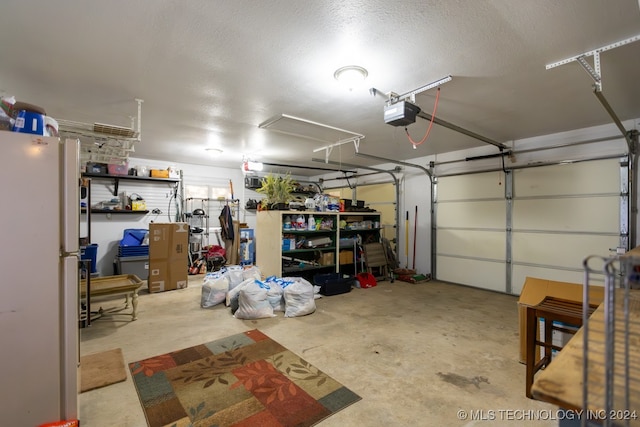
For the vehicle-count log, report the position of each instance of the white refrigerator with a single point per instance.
(39, 337)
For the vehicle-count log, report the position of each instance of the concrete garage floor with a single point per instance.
(416, 354)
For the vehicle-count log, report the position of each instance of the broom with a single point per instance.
(406, 241)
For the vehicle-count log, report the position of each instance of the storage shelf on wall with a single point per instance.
(118, 212)
(105, 186)
(116, 179)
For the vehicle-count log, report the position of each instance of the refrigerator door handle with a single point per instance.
(70, 196)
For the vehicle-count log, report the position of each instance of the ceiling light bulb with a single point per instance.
(351, 75)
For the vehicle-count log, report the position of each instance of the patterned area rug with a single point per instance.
(243, 380)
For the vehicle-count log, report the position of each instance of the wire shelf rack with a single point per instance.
(611, 344)
(103, 143)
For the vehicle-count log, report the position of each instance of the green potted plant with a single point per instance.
(277, 191)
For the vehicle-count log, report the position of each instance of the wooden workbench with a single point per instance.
(561, 383)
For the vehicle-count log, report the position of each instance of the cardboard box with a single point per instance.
(327, 258)
(247, 247)
(159, 173)
(346, 257)
(558, 337)
(288, 244)
(168, 256)
(535, 290)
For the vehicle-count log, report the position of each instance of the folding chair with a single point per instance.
(376, 259)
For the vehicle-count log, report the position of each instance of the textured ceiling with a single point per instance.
(210, 72)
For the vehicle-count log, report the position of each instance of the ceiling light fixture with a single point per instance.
(214, 151)
(351, 75)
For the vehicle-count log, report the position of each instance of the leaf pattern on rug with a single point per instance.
(277, 361)
(150, 366)
(211, 369)
(261, 378)
(262, 372)
(304, 371)
(198, 413)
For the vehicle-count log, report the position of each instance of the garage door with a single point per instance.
(470, 234)
(542, 222)
(563, 213)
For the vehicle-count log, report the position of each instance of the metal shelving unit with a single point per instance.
(611, 344)
(103, 143)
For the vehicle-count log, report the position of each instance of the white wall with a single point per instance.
(107, 230)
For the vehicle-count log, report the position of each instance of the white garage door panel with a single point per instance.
(595, 214)
(472, 243)
(521, 272)
(559, 215)
(479, 274)
(559, 249)
(472, 214)
(577, 178)
(477, 186)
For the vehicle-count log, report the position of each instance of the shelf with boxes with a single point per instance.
(308, 243)
(287, 246)
(125, 211)
(355, 231)
(117, 178)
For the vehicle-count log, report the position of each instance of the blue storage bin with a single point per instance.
(133, 236)
(90, 252)
(333, 283)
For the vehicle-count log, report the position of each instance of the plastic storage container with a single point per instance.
(90, 252)
(134, 236)
(333, 283)
(138, 265)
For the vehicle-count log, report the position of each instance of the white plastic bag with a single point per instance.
(235, 275)
(299, 298)
(252, 272)
(253, 302)
(275, 294)
(232, 295)
(214, 289)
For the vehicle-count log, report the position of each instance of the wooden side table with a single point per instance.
(126, 284)
(552, 310)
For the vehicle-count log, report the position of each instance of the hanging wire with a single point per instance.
(433, 116)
